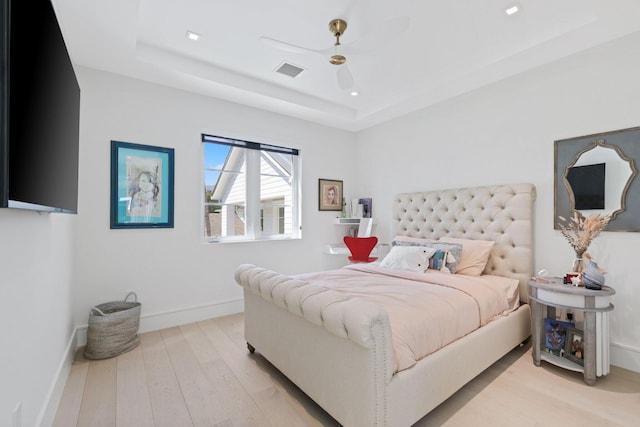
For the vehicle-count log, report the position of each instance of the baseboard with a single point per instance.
(625, 356)
(167, 319)
(48, 413)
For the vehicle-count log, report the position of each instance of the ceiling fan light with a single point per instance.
(337, 59)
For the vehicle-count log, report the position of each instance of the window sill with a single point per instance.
(248, 240)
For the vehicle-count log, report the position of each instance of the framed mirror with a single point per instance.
(596, 174)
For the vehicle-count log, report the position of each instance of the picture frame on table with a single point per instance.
(330, 195)
(366, 207)
(142, 184)
(574, 346)
(556, 335)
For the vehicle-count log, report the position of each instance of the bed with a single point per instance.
(339, 347)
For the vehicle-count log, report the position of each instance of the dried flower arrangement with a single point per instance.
(581, 231)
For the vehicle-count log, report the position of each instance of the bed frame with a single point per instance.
(338, 349)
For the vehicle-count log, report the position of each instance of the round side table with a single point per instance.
(596, 306)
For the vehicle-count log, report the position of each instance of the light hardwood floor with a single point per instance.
(201, 374)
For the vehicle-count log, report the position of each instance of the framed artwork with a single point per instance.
(329, 195)
(556, 335)
(574, 346)
(141, 186)
(366, 207)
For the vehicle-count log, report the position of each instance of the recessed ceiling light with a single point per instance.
(192, 36)
(354, 93)
(513, 9)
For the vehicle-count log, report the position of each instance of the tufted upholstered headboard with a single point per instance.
(502, 213)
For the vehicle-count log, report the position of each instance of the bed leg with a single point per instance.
(251, 348)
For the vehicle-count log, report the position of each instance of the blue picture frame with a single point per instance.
(556, 335)
(142, 180)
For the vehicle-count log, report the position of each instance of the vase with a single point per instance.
(578, 263)
(592, 277)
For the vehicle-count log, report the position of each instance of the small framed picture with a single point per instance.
(329, 195)
(366, 207)
(141, 186)
(556, 335)
(574, 346)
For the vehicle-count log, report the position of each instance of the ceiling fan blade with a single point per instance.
(288, 47)
(377, 37)
(345, 78)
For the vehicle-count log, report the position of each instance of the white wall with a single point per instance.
(177, 278)
(505, 133)
(36, 323)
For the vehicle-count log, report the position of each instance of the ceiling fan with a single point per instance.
(337, 27)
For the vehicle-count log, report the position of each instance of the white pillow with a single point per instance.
(411, 258)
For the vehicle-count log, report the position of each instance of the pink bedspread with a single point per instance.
(428, 310)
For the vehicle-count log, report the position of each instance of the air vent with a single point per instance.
(289, 69)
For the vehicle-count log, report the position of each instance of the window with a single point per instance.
(251, 190)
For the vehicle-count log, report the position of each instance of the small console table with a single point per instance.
(596, 306)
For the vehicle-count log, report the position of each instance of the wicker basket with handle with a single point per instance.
(113, 328)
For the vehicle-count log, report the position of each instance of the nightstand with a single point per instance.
(596, 306)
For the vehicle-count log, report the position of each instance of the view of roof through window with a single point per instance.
(249, 190)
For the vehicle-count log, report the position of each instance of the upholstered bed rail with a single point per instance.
(342, 315)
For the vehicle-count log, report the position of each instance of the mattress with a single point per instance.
(426, 310)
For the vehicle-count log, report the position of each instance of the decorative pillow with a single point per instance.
(411, 258)
(409, 239)
(439, 261)
(475, 254)
(454, 250)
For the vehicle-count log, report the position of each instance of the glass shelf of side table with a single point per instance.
(595, 305)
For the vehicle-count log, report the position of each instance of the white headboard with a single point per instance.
(502, 213)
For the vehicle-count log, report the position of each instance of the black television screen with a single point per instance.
(40, 99)
(587, 183)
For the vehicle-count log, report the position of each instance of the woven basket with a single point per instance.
(113, 328)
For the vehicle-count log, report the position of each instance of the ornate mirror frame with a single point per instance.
(626, 143)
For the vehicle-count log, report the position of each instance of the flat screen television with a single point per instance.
(588, 184)
(39, 110)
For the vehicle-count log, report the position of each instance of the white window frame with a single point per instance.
(252, 191)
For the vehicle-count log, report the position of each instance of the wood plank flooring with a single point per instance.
(201, 374)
